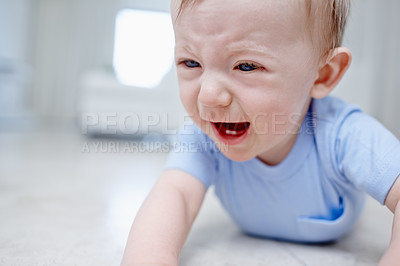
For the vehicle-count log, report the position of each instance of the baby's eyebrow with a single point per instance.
(239, 48)
(251, 48)
(185, 48)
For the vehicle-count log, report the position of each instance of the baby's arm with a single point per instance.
(392, 255)
(164, 220)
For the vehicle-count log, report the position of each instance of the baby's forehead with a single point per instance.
(300, 5)
(295, 11)
(310, 20)
(284, 17)
(256, 10)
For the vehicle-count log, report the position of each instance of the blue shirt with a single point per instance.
(316, 193)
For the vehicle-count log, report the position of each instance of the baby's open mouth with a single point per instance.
(232, 129)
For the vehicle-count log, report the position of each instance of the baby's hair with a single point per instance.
(332, 13)
(327, 18)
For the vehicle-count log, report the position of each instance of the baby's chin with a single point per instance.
(239, 158)
(234, 153)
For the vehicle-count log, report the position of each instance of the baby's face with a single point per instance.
(245, 70)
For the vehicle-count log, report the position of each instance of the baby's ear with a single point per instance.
(331, 72)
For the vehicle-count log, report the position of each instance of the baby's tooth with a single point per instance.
(230, 132)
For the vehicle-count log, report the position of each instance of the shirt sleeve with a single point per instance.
(367, 154)
(193, 153)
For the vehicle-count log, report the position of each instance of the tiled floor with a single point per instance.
(65, 202)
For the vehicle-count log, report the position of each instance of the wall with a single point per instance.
(72, 36)
(372, 80)
(15, 56)
(387, 91)
(15, 17)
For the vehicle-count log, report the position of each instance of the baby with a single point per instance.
(287, 161)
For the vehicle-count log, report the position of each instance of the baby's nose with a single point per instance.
(214, 92)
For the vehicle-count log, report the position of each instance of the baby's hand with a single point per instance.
(392, 254)
(164, 220)
(391, 257)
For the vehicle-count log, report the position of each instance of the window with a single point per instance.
(143, 48)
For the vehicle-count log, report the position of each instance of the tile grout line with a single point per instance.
(285, 247)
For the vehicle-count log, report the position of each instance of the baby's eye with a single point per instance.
(191, 63)
(247, 67)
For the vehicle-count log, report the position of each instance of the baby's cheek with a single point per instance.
(275, 123)
(261, 124)
(188, 98)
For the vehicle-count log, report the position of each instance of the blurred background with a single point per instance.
(66, 62)
(76, 72)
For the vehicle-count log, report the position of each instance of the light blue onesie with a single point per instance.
(316, 194)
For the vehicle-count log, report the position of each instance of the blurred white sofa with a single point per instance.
(108, 108)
